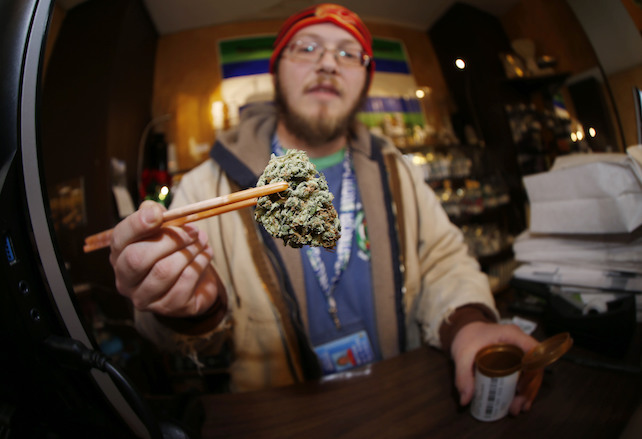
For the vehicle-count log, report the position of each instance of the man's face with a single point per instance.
(319, 100)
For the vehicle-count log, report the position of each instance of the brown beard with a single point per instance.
(316, 131)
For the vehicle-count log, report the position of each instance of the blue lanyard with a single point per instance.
(347, 215)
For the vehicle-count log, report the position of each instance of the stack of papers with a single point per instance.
(616, 253)
(585, 236)
(564, 274)
(588, 193)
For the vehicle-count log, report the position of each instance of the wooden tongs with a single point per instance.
(197, 211)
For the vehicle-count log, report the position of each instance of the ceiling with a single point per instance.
(607, 22)
(171, 16)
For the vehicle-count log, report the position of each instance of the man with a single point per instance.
(400, 279)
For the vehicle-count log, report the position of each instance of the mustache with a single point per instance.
(325, 82)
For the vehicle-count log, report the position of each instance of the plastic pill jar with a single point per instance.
(497, 369)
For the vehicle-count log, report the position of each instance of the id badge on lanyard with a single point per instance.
(345, 353)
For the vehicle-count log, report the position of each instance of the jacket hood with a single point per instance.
(244, 151)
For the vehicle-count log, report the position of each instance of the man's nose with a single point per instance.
(328, 60)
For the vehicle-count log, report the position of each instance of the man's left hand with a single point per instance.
(473, 337)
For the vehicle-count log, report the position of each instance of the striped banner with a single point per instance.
(378, 109)
(251, 56)
(245, 56)
(390, 56)
(245, 72)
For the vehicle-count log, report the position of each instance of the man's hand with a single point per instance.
(469, 340)
(165, 270)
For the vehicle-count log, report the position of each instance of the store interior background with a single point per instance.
(119, 71)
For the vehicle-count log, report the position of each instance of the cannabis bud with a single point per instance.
(303, 214)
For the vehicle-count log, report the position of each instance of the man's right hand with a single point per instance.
(165, 270)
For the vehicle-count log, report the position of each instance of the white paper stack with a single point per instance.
(585, 235)
(588, 193)
(608, 253)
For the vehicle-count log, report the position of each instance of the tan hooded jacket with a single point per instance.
(420, 267)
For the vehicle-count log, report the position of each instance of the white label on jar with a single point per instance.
(493, 396)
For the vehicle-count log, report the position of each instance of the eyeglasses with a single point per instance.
(312, 52)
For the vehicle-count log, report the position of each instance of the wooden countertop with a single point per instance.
(413, 395)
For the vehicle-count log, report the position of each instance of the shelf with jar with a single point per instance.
(459, 177)
(542, 134)
(473, 196)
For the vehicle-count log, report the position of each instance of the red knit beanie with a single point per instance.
(323, 13)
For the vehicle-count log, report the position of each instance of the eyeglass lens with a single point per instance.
(312, 51)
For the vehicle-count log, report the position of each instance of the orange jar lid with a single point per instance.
(547, 352)
(499, 360)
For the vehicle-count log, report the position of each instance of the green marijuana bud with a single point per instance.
(303, 214)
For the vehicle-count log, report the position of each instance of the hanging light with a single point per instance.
(422, 92)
